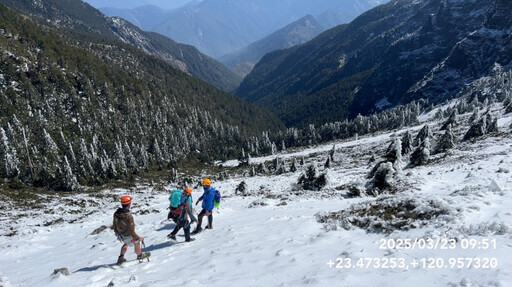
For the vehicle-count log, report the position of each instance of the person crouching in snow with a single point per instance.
(124, 227)
(207, 205)
(185, 213)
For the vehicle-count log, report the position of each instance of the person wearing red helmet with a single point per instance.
(124, 227)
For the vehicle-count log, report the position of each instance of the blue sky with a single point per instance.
(127, 4)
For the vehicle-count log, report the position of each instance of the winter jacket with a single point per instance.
(123, 223)
(207, 198)
(189, 213)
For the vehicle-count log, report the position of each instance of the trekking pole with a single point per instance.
(144, 249)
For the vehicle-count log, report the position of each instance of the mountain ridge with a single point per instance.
(378, 58)
(293, 34)
(82, 18)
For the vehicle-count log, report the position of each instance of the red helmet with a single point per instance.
(126, 199)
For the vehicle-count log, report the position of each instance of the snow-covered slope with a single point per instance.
(281, 235)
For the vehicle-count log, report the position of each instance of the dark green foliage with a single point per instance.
(451, 121)
(293, 167)
(107, 109)
(447, 141)
(241, 188)
(477, 129)
(421, 154)
(311, 180)
(407, 143)
(80, 19)
(425, 133)
(383, 175)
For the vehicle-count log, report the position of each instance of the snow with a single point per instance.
(276, 244)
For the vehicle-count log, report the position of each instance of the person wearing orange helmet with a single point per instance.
(124, 227)
(185, 213)
(207, 205)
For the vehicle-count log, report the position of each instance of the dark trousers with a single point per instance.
(186, 228)
(200, 218)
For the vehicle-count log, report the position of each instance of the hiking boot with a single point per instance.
(191, 239)
(143, 255)
(197, 230)
(171, 236)
(120, 259)
(208, 227)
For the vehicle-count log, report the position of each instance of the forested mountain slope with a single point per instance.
(395, 53)
(77, 17)
(102, 110)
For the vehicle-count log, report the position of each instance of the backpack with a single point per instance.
(216, 198)
(180, 213)
(175, 198)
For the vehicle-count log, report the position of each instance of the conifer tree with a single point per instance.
(262, 169)
(407, 143)
(451, 121)
(8, 157)
(241, 189)
(447, 140)
(65, 179)
(421, 154)
(477, 129)
(293, 167)
(309, 179)
(422, 135)
(492, 124)
(328, 162)
(475, 116)
(383, 175)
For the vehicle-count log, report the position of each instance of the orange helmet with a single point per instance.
(188, 190)
(207, 181)
(126, 199)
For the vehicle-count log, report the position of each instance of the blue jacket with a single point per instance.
(207, 198)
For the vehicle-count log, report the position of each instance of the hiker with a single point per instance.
(174, 201)
(182, 220)
(207, 205)
(124, 227)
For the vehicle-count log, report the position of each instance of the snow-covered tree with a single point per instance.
(262, 169)
(244, 159)
(293, 167)
(309, 180)
(65, 178)
(241, 189)
(407, 143)
(424, 133)
(447, 140)
(477, 129)
(421, 154)
(451, 121)
(327, 163)
(8, 157)
(383, 176)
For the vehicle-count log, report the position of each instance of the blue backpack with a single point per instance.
(175, 198)
(216, 198)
